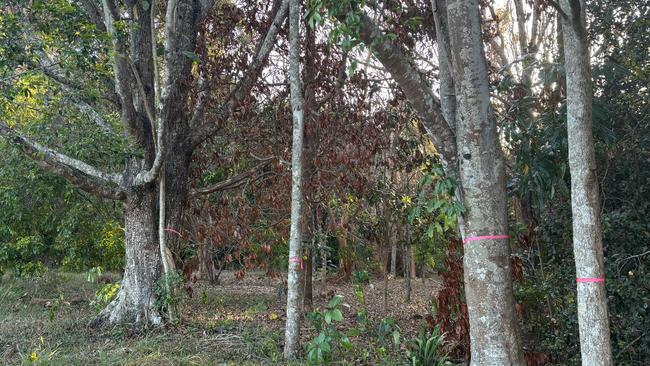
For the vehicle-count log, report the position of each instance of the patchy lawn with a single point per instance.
(239, 322)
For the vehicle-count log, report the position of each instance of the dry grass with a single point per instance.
(240, 322)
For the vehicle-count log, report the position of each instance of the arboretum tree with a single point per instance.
(292, 328)
(593, 318)
(470, 151)
(165, 105)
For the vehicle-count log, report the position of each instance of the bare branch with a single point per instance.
(82, 175)
(558, 8)
(121, 72)
(413, 85)
(232, 182)
(243, 88)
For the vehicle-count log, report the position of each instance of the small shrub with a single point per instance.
(426, 349)
(105, 295)
(319, 349)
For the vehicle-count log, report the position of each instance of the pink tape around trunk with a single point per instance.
(485, 237)
(590, 279)
(297, 260)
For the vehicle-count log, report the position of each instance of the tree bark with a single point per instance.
(595, 347)
(393, 258)
(292, 329)
(308, 290)
(494, 330)
(136, 301)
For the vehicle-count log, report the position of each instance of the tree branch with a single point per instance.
(558, 8)
(413, 85)
(243, 88)
(94, 13)
(232, 182)
(82, 175)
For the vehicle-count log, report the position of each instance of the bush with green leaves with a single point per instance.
(104, 295)
(320, 349)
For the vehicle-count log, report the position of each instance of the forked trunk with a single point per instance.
(136, 300)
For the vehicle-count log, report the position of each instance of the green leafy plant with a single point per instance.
(427, 349)
(168, 291)
(105, 295)
(388, 332)
(93, 273)
(319, 349)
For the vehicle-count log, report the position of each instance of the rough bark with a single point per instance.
(292, 329)
(136, 301)
(447, 89)
(595, 347)
(494, 330)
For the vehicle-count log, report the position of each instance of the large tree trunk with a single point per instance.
(488, 284)
(176, 172)
(292, 329)
(136, 300)
(593, 320)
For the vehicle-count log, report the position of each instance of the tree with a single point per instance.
(593, 318)
(494, 333)
(469, 149)
(292, 329)
(166, 116)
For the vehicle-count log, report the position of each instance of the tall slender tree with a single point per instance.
(292, 329)
(593, 322)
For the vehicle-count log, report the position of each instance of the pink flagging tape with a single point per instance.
(297, 260)
(590, 279)
(485, 237)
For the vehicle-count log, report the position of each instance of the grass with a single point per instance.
(44, 321)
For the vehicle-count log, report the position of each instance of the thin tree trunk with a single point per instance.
(393, 258)
(307, 300)
(593, 319)
(494, 330)
(407, 265)
(292, 329)
(323, 258)
(413, 264)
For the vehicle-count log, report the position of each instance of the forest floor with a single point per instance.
(238, 322)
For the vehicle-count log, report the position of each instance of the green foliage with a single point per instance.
(320, 348)
(388, 333)
(105, 295)
(168, 291)
(427, 349)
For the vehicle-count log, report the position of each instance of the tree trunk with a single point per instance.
(393, 259)
(413, 266)
(176, 172)
(595, 347)
(136, 300)
(308, 292)
(323, 258)
(407, 270)
(292, 329)
(494, 330)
